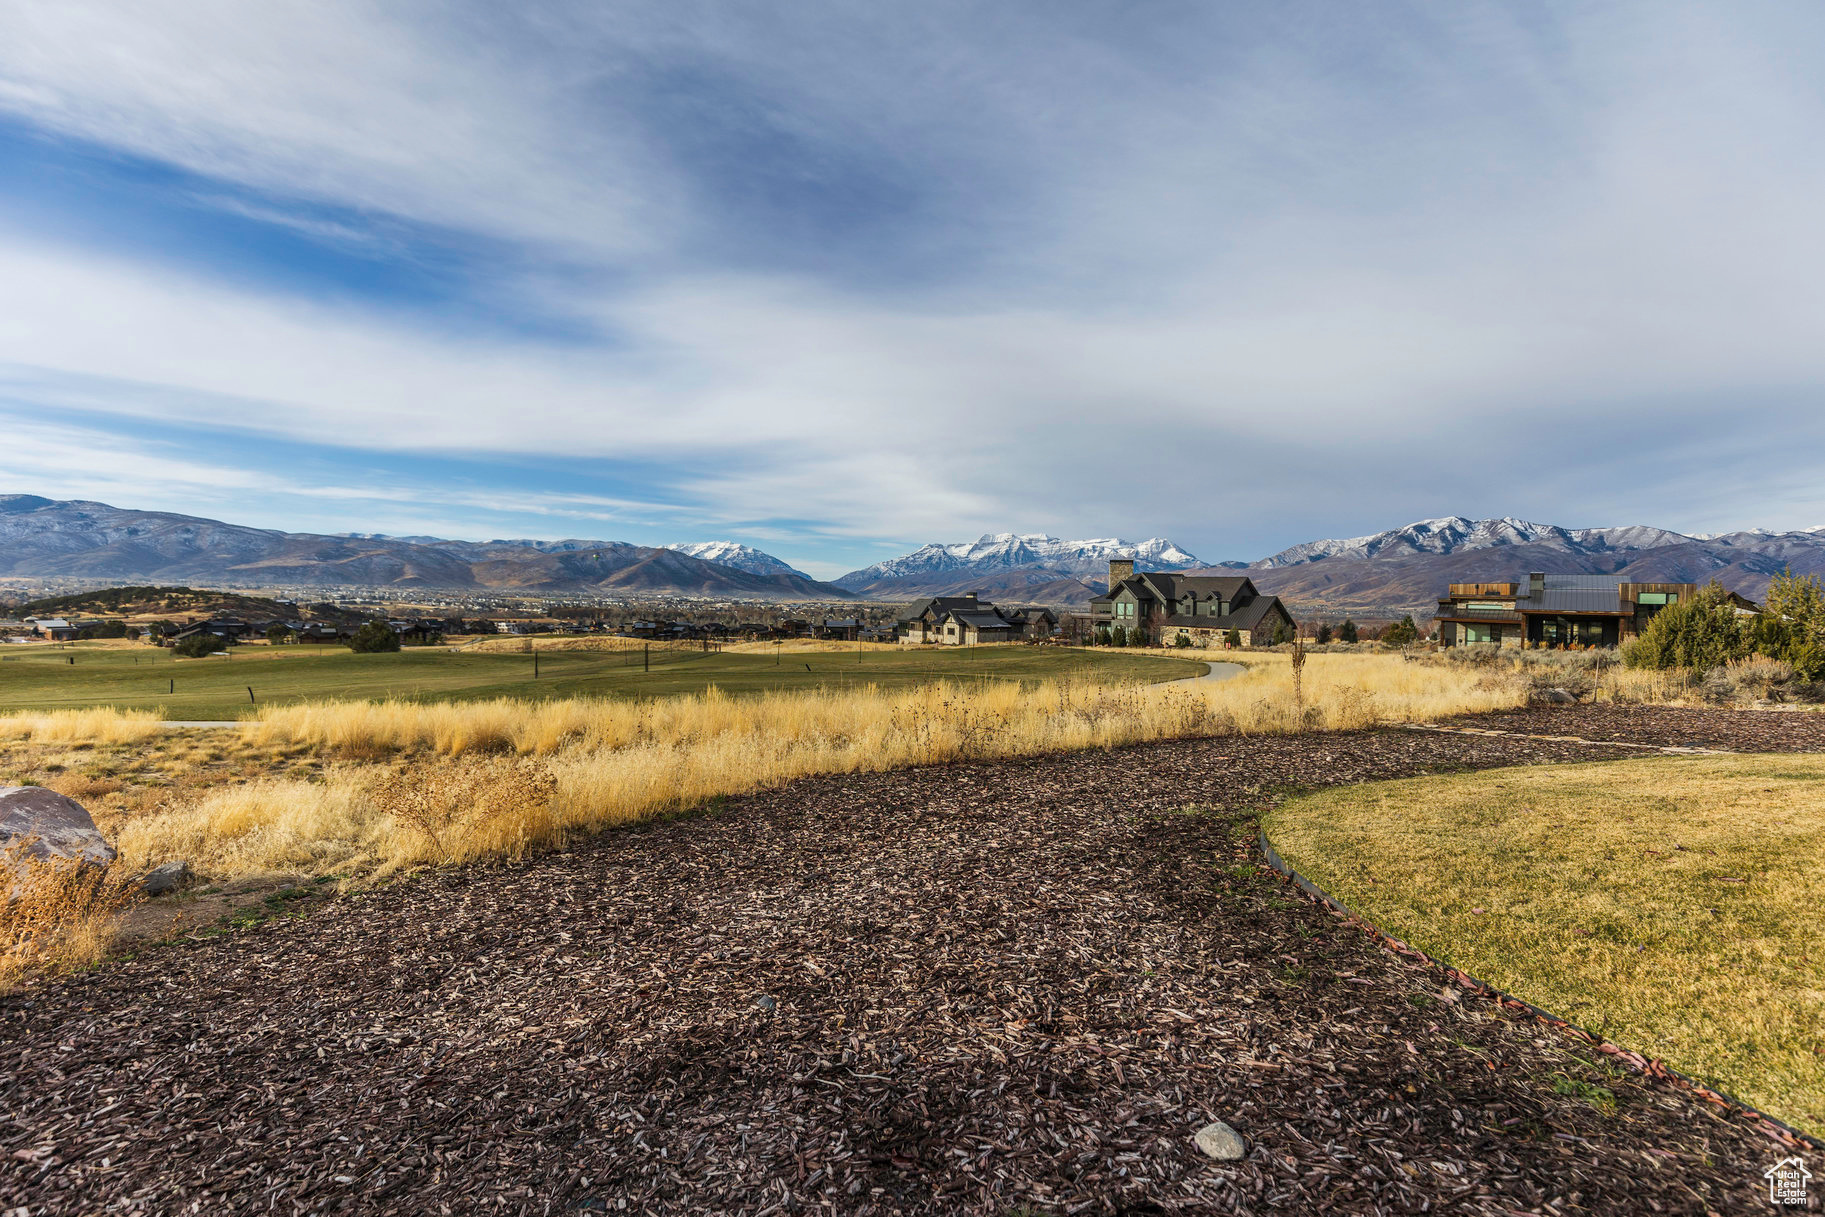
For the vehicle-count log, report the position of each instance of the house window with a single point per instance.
(1483, 606)
(1657, 598)
(1215, 605)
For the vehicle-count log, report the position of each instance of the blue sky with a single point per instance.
(837, 280)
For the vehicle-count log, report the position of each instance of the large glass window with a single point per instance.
(1657, 598)
(1485, 606)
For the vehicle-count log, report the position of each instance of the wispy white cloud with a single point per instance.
(1239, 279)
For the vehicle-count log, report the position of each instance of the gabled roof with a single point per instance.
(940, 605)
(980, 620)
(1248, 617)
(1168, 585)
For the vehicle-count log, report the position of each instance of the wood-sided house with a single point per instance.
(1162, 605)
(1558, 610)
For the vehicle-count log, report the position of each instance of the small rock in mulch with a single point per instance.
(1221, 1142)
(1557, 697)
(166, 877)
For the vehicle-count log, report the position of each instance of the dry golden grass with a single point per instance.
(495, 779)
(55, 914)
(813, 646)
(1672, 904)
(99, 726)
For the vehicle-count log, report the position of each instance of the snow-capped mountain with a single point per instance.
(1004, 551)
(741, 557)
(1453, 534)
(1020, 566)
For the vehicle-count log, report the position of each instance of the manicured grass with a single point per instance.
(1672, 904)
(216, 688)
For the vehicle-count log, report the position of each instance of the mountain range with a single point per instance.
(1406, 569)
(1401, 570)
(47, 537)
(1014, 566)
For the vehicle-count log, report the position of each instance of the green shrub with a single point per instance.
(1120, 637)
(1233, 638)
(1402, 633)
(1791, 626)
(1324, 633)
(1282, 632)
(1183, 641)
(1347, 631)
(1701, 633)
(198, 645)
(374, 637)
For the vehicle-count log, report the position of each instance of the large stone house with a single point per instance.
(1557, 610)
(1162, 605)
(970, 620)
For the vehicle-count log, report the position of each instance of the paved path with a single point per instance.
(1214, 670)
(992, 988)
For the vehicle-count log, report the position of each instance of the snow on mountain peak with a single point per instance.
(1001, 551)
(737, 555)
(1452, 533)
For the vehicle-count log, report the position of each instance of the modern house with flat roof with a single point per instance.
(1557, 610)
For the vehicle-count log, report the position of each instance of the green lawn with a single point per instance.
(142, 677)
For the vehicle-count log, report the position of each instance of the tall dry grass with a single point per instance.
(96, 726)
(429, 784)
(55, 914)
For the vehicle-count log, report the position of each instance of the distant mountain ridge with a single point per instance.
(1407, 569)
(1454, 533)
(1031, 566)
(741, 557)
(48, 537)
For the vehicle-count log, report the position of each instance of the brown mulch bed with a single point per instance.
(1680, 726)
(996, 988)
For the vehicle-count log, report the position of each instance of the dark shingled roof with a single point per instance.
(981, 621)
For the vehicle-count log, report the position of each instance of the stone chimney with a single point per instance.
(1119, 569)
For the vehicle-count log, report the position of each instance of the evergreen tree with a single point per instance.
(1324, 633)
(198, 645)
(1347, 631)
(1702, 633)
(1402, 633)
(373, 637)
(1792, 624)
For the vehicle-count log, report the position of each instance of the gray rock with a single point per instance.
(167, 877)
(1221, 1142)
(1558, 697)
(767, 1003)
(43, 824)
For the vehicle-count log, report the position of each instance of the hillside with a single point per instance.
(1407, 569)
(158, 601)
(1031, 566)
(46, 537)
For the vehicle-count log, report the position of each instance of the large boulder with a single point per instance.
(48, 825)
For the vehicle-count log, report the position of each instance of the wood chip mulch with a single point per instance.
(998, 988)
(1667, 726)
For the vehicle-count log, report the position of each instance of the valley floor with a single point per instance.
(987, 988)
